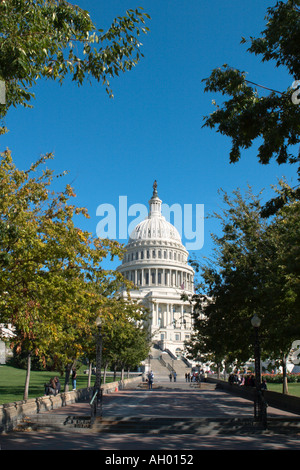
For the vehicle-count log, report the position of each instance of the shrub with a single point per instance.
(278, 378)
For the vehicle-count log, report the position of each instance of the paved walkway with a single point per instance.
(171, 400)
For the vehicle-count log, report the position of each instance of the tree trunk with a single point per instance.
(104, 372)
(218, 371)
(90, 374)
(284, 376)
(67, 377)
(27, 380)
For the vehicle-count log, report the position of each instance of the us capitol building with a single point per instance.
(156, 262)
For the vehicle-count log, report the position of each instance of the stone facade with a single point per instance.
(157, 263)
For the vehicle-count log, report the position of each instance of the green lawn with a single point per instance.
(12, 382)
(294, 388)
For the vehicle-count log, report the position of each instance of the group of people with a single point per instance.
(245, 380)
(196, 377)
(173, 375)
(54, 386)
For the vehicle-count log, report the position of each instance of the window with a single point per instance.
(178, 352)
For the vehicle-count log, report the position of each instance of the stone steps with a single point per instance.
(57, 422)
(161, 425)
(196, 426)
(179, 385)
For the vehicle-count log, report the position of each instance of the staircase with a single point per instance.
(162, 363)
(166, 425)
(159, 425)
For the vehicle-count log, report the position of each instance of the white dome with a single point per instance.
(155, 226)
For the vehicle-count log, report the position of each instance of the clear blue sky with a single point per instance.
(152, 129)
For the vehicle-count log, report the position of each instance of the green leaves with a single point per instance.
(53, 39)
(270, 115)
(52, 284)
(256, 269)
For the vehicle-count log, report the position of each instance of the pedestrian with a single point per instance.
(264, 385)
(150, 380)
(74, 378)
(50, 388)
(57, 385)
(174, 375)
(170, 377)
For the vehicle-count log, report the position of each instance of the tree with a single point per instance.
(53, 38)
(253, 271)
(274, 117)
(51, 279)
(125, 339)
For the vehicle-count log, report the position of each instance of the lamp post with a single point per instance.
(255, 322)
(97, 399)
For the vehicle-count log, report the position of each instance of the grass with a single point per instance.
(12, 383)
(293, 388)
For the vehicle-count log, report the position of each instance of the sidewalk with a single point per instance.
(176, 401)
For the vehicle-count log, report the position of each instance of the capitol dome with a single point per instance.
(155, 255)
(155, 226)
(156, 262)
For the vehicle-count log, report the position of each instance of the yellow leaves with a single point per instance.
(53, 274)
(69, 191)
(81, 236)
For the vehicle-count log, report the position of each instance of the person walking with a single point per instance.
(74, 377)
(150, 380)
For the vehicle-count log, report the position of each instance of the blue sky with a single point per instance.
(152, 129)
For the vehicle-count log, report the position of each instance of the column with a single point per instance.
(182, 317)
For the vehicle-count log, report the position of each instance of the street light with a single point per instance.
(258, 402)
(97, 396)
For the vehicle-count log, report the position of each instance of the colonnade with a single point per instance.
(160, 277)
(171, 315)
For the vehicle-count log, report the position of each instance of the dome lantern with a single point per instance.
(155, 203)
